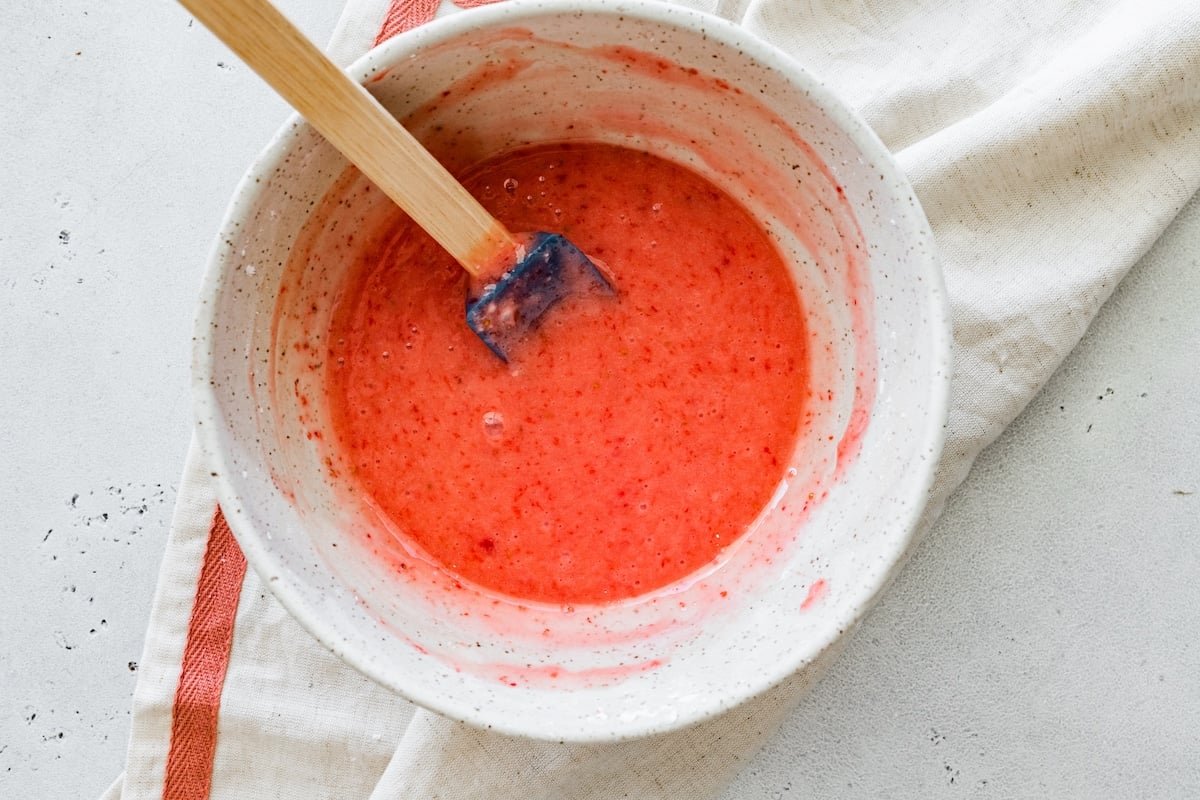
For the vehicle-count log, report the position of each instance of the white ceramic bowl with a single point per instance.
(694, 89)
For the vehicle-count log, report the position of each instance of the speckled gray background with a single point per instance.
(1042, 642)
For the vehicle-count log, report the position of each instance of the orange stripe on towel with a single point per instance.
(403, 15)
(205, 660)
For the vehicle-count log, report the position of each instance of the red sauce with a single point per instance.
(630, 440)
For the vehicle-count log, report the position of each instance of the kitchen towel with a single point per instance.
(1050, 142)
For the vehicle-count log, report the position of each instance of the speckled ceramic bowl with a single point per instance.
(694, 89)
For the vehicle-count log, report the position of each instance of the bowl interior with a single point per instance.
(703, 93)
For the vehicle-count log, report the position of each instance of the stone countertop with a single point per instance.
(1044, 640)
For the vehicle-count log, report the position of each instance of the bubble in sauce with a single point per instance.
(493, 424)
(510, 185)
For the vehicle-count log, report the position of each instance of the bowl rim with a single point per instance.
(207, 405)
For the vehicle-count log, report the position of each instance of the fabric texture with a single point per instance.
(205, 663)
(1050, 142)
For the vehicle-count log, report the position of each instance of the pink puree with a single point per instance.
(631, 440)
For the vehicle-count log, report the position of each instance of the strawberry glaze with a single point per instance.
(630, 441)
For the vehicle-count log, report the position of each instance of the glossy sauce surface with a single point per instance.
(629, 440)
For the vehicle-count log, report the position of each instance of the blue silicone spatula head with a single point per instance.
(505, 311)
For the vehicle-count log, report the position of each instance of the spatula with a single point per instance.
(518, 278)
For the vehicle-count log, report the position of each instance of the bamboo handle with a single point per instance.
(357, 125)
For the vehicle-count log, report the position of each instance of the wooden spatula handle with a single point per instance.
(357, 125)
